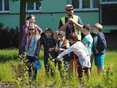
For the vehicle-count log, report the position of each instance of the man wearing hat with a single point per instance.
(70, 23)
(99, 48)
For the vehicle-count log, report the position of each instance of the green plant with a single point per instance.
(53, 72)
(20, 72)
(107, 80)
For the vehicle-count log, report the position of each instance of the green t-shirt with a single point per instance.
(88, 40)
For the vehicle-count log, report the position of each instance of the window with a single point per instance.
(85, 4)
(109, 14)
(108, 0)
(33, 6)
(4, 5)
(95, 3)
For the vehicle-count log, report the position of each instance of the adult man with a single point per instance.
(70, 23)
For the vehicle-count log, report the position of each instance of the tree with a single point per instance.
(22, 20)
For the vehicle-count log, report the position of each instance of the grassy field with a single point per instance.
(107, 80)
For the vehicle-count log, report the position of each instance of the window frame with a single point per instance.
(34, 10)
(3, 7)
(109, 2)
(85, 9)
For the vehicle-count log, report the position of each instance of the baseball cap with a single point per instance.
(68, 6)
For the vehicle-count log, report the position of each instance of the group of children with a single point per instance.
(70, 51)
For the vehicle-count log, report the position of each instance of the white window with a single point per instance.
(33, 6)
(4, 5)
(85, 4)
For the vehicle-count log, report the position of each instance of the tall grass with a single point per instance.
(5, 72)
(8, 55)
(107, 80)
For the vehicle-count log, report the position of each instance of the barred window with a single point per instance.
(4, 5)
(33, 6)
(108, 0)
(85, 4)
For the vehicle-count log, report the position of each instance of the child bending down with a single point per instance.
(81, 51)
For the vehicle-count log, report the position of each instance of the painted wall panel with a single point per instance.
(14, 6)
(53, 5)
(52, 11)
(9, 20)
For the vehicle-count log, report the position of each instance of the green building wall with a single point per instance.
(49, 16)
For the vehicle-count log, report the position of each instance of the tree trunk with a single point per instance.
(22, 21)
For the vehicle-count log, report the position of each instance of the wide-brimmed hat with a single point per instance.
(99, 26)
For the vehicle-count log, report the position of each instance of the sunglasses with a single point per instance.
(69, 9)
(31, 29)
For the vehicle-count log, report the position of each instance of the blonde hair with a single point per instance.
(32, 26)
(99, 26)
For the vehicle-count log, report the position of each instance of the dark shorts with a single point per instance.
(81, 70)
(30, 59)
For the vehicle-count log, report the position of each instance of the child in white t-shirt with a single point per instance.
(81, 51)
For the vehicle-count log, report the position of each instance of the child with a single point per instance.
(99, 48)
(49, 45)
(62, 45)
(88, 40)
(32, 50)
(81, 51)
(55, 35)
(32, 19)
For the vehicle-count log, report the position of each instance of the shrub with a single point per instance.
(9, 37)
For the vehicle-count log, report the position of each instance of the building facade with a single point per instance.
(48, 12)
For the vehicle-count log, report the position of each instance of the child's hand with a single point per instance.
(56, 59)
(56, 49)
(97, 52)
(50, 49)
(25, 58)
(36, 57)
(61, 49)
(41, 47)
